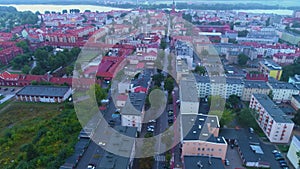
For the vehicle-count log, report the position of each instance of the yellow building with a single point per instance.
(270, 68)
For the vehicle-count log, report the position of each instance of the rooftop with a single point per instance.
(297, 97)
(135, 104)
(188, 91)
(50, 91)
(200, 127)
(256, 84)
(271, 64)
(275, 112)
(282, 85)
(193, 162)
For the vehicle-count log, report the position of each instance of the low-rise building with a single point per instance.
(295, 80)
(207, 162)
(272, 120)
(293, 150)
(49, 94)
(133, 112)
(254, 87)
(199, 135)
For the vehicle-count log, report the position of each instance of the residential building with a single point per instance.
(205, 162)
(133, 112)
(285, 58)
(270, 68)
(220, 86)
(199, 134)
(282, 91)
(295, 80)
(273, 122)
(189, 102)
(254, 87)
(293, 150)
(49, 94)
(295, 102)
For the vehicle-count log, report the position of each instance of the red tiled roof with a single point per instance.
(8, 76)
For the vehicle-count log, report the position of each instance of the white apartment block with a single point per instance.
(292, 153)
(283, 92)
(271, 119)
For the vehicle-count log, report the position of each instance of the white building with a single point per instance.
(48, 94)
(132, 113)
(283, 92)
(271, 119)
(189, 103)
(292, 153)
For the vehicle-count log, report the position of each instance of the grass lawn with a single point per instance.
(283, 148)
(50, 130)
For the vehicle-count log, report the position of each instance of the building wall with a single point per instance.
(276, 132)
(284, 94)
(132, 121)
(295, 104)
(291, 155)
(247, 93)
(204, 148)
(276, 74)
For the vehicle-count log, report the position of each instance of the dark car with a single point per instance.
(279, 158)
(12, 90)
(5, 89)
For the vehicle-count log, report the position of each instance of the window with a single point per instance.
(203, 149)
(198, 149)
(220, 149)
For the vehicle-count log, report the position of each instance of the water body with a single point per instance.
(59, 8)
(93, 8)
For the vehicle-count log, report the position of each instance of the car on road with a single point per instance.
(285, 167)
(170, 113)
(227, 162)
(5, 89)
(150, 128)
(275, 151)
(12, 90)
(152, 121)
(102, 143)
(91, 166)
(277, 155)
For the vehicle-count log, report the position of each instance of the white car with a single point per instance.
(91, 166)
(102, 143)
(275, 151)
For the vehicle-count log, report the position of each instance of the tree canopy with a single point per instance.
(242, 59)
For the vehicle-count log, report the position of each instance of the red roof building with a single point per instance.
(257, 77)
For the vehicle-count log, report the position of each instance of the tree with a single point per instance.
(26, 69)
(169, 84)
(158, 78)
(242, 59)
(296, 118)
(200, 70)
(23, 45)
(98, 92)
(271, 95)
(227, 117)
(163, 44)
(243, 33)
(233, 100)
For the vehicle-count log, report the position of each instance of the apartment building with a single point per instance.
(254, 87)
(295, 102)
(269, 67)
(293, 150)
(199, 134)
(282, 91)
(221, 86)
(274, 123)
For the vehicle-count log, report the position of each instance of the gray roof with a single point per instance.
(256, 84)
(191, 162)
(196, 127)
(134, 105)
(275, 112)
(50, 91)
(244, 140)
(297, 97)
(282, 85)
(231, 80)
(271, 64)
(188, 91)
(119, 142)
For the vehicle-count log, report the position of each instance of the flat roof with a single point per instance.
(200, 127)
(282, 85)
(193, 162)
(134, 104)
(297, 97)
(256, 84)
(50, 91)
(188, 91)
(275, 112)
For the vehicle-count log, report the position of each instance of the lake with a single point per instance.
(59, 8)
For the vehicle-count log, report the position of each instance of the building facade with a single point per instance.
(293, 150)
(271, 119)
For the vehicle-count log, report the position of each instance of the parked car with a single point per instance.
(279, 158)
(5, 89)
(277, 155)
(170, 113)
(91, 166)
(275, 151)
(227, 162)
(12, 90)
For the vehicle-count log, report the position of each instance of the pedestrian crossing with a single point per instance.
(160, 158)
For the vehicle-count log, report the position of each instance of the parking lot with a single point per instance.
(8, 93)
(234, 158)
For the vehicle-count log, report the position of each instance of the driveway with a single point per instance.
(234, 158)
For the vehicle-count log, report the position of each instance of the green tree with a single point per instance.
(243, 33)
(24, 45)
(163, 44)
(26, 69)
(296, 118)
(200, 70)
(242, 59)
(233, 100)
(227, 117)
(169, 84)
(97, 92)
(158, 78)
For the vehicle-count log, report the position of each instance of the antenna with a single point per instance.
(199, 163)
